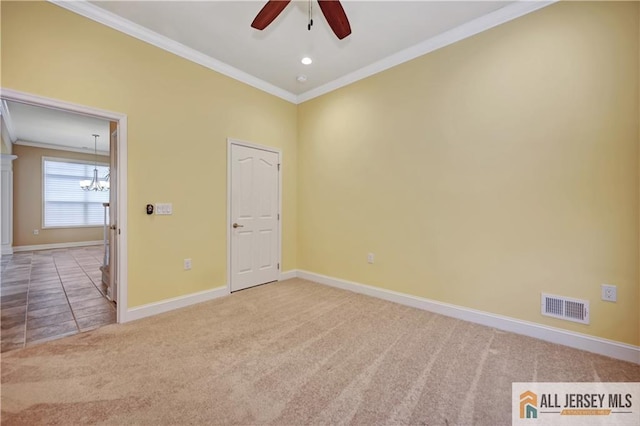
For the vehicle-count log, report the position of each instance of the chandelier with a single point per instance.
(95, 184)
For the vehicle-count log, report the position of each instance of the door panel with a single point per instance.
(245, 182)
(266, 255)
(244, 242)
(254, 211)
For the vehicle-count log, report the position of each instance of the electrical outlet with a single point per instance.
(187, 264)
(36, 232)
(609, 292)
(371, 257)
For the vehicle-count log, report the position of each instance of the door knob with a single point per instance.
(235, 225)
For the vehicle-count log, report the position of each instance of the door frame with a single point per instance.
(121, 119)
(230, 143)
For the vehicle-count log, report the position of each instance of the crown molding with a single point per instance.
(468, 29)
(45, 145)
(95, 13)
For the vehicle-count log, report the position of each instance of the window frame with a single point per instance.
(42, 188)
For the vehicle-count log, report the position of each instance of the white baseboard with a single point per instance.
(175, 303)
(581, 341)
(287, 275)
(58, 245)
(6, 249)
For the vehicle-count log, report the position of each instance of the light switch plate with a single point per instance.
(164, 208)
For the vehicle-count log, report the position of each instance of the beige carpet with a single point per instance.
(287, 353)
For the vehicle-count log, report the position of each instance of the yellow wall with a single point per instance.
(27, 199)
(479, 175)
(180, 115)
(487, 172)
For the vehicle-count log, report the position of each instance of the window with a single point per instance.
(65, 204)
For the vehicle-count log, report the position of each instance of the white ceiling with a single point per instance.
(54, 129)
(217, 34)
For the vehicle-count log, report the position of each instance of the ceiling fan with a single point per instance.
(331, 9)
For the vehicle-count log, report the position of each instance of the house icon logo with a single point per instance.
(528, 405)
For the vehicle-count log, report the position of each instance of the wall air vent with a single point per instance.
(565, 308)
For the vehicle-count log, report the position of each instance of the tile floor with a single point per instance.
(49, 294)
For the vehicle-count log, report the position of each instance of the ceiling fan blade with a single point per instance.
(337, 19)
(268, 13)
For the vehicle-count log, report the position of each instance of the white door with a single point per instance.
(254, 216)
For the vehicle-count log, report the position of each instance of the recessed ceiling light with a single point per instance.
(301, 78)
(306, 60)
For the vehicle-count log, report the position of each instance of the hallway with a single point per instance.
(49, 294)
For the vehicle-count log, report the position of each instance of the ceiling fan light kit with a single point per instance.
(331, 9)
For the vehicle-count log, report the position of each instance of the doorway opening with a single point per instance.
(77, 264)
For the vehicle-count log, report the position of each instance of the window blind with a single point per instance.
(65, 203)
